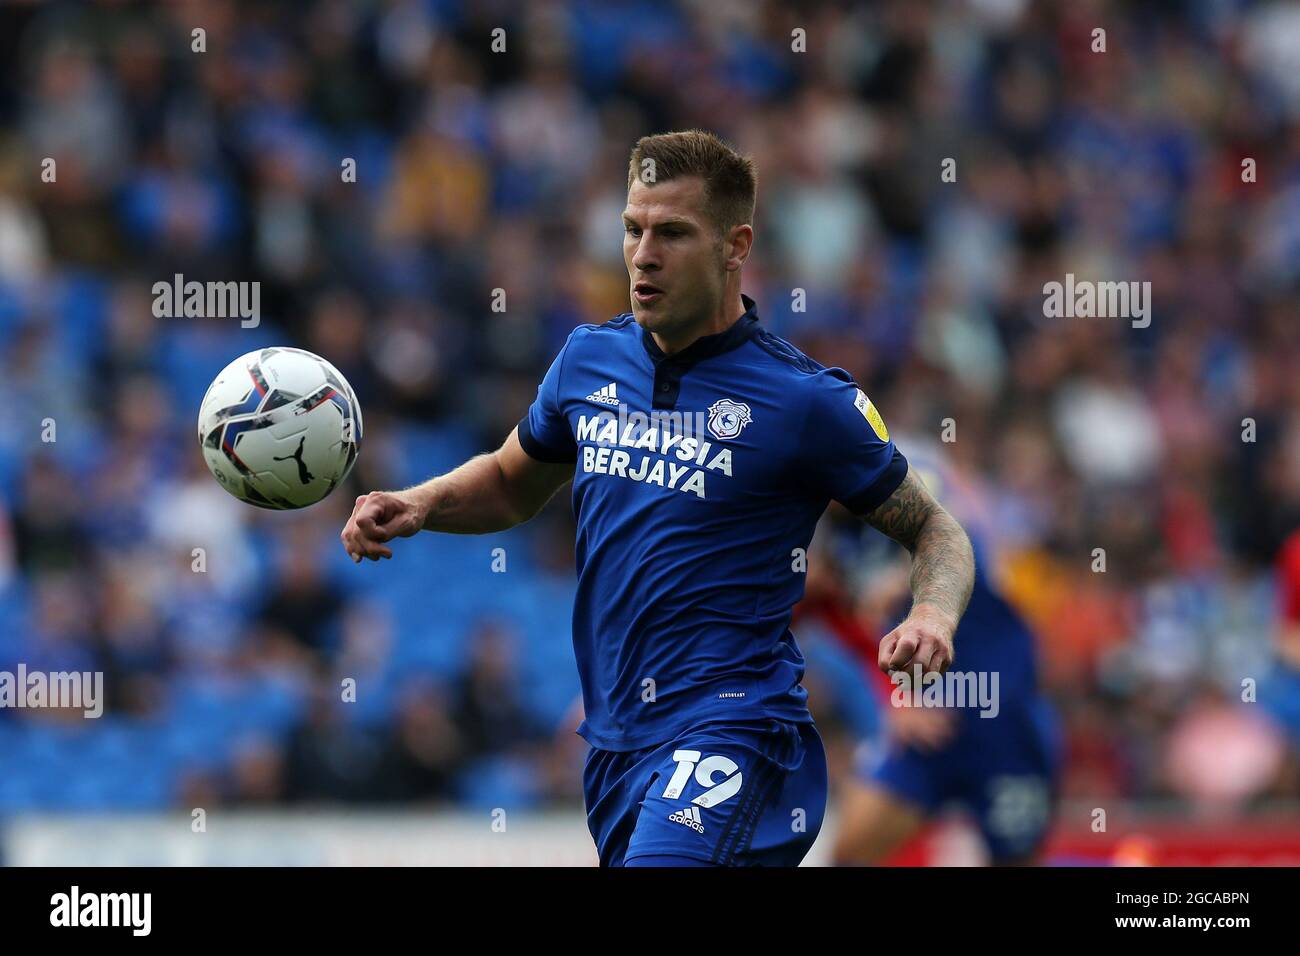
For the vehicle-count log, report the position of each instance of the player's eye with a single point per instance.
(631, 230)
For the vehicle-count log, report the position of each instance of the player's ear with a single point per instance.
(739, 240)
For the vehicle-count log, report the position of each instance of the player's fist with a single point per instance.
(924, 640)
(379, 517)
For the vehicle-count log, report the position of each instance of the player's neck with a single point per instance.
(722, 320)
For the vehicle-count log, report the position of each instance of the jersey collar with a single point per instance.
(707, 346)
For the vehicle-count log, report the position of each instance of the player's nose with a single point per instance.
(645, 259)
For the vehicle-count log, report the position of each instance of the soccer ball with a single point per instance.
(279, 428)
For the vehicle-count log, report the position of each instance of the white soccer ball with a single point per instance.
(279, 428)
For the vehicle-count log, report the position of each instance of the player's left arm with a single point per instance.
(943, 574)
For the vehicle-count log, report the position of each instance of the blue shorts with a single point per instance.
(1003, 771)
(732, 794)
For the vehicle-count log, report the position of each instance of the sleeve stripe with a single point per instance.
(879, 491)
(536, 450)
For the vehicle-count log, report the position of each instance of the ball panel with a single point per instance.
(279, 428)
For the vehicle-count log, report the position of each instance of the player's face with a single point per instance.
(674, 256)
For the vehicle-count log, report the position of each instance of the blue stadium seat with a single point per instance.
(82, 303)
(503, 782)
(426, 450)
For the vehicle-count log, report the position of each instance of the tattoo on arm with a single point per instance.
(943, 564)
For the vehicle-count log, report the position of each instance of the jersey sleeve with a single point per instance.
(544, 432)
(847, 446)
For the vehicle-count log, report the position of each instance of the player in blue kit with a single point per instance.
(702, 450)
(997, 757)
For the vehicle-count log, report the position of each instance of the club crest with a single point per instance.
(727, 418)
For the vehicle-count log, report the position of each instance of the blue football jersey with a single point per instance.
(699, 479)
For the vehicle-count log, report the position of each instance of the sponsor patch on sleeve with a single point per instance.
(872, 415)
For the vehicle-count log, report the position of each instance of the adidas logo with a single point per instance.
(605, 396)
(690, 817)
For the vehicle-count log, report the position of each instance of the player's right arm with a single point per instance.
(488, 493)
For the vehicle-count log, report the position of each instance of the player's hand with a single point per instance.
(924, 640)
(379, 517)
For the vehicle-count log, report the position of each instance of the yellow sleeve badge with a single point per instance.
(872, 415)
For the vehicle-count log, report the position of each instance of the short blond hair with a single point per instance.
(730, 182)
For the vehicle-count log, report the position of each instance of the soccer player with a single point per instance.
(999, 764)
(702, 450)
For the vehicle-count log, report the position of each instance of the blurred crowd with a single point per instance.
(489, 162)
